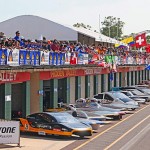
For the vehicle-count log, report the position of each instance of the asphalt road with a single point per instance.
(131, 133)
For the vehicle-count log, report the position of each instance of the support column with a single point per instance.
(91, 85)
(106, 81)
(41, 96)
(55, 93)
(134, 78)
(72, 90)
(99, 84)
(26, 99)
(130, 79)
(117, 79)
(102, 83)
(95, 87)
(78, 87)
(120, 78)
(68, 90)
(124, 79)
(82, 90)
(7, 98)
(2, 101)
(87, 86)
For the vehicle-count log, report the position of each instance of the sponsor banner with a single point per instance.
(3, 56)
(9, 132)
(67, 58)
(13, 57)
(44, 58)
(85, 59)
(36, 58)
(62, 58)
(28, 57)
(22, 57)
(14, 77)
(51, 58)
(80, 58)
(73, 58)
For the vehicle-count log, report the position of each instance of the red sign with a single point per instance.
(14, 77)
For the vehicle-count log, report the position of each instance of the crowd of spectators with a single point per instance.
(20, 42)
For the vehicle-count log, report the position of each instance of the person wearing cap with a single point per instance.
(17, 37)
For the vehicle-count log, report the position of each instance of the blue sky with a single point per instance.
(135, 13)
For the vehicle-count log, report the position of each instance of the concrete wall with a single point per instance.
(72, 90)
(35, 87)
(83, 86)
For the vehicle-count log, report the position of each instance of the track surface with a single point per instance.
(132, 132)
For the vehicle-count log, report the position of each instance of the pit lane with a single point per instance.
(115, 135)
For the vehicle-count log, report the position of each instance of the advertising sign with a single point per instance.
(80, 58)
(3, 56)
(85, 59)
(9, 132)
(44, 58)
(67, 58)
(22, 57)
(13, 57)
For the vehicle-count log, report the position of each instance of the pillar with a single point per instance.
(68, 90)
(82, 90)
(117, 79)
(72, 90)
(78, 87)
(54, 83)
(99, 84)
(96, 83)
(102, 83)
(5, 101)
(87, 86)
(91, 85)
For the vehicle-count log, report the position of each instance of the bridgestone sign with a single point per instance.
(9, 132)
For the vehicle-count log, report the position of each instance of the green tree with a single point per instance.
(82, 25)
(148, 39)
(112, 27)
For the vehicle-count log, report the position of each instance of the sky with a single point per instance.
(135, 13)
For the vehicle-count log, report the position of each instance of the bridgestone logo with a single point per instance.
(7, 129)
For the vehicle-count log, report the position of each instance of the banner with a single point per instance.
(3, 56)
(85, 59)
(22, 57)
(35, 58)
(80, 58)
(67, 58)
(44, 58)
(9, 132)
(13, 57)
(62, 58)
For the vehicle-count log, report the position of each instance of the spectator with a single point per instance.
(17, 37)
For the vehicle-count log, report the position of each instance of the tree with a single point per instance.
(79, 25)
(112, 27)
(148, 39)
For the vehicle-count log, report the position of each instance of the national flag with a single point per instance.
(140, 40)
(147, 67)
(147, 48)
(127, 41)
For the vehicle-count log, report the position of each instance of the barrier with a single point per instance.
(9, 132)
(21, 57)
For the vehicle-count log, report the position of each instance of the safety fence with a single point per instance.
(21, 57)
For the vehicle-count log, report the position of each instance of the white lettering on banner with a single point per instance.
(8, 76)
(140, 40)
(97, 71)
(9, 132)
(88, 71)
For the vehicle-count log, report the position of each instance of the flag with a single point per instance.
(147, 48)
(140, 40)
(147, 67)
(128, 41)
